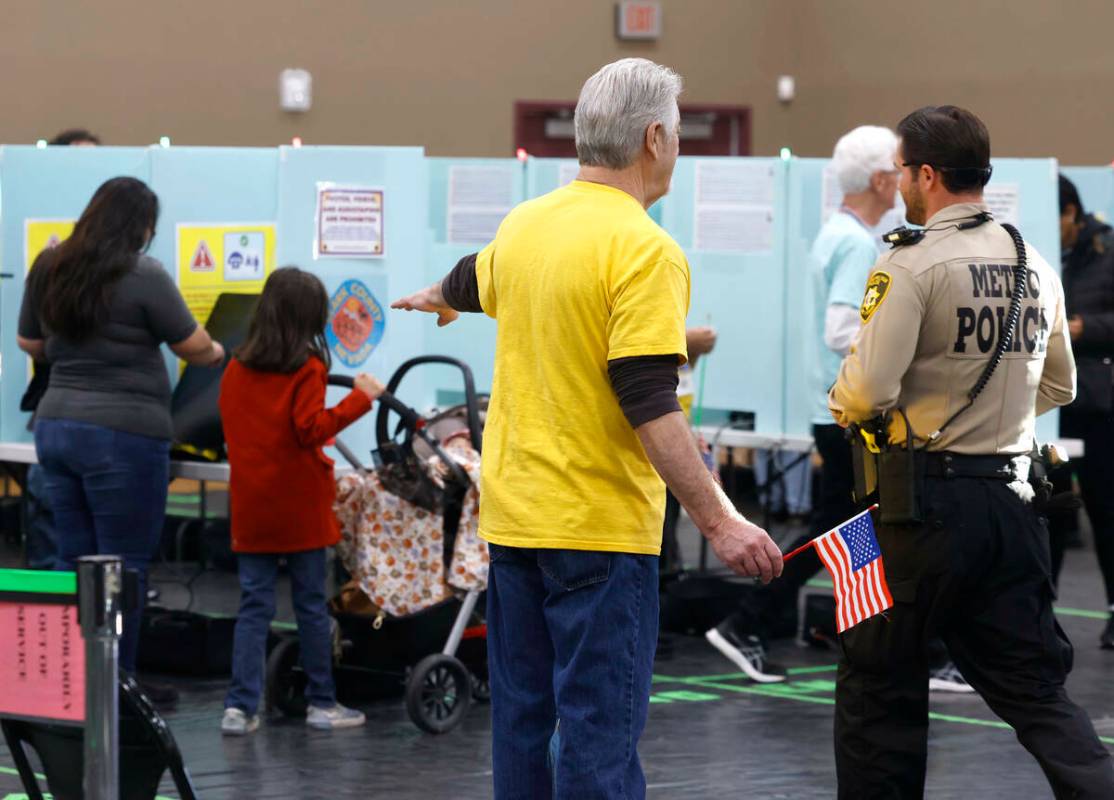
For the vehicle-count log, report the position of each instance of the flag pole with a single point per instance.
(812, 542)
(799, 550)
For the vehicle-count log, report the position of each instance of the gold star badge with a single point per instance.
(876, 289)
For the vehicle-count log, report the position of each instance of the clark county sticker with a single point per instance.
(356, 323)
(876, 289)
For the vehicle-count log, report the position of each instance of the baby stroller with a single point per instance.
(405, 624)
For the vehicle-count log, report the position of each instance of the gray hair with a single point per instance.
(618, 104)
(860, 153)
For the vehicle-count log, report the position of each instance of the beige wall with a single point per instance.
(445, 74)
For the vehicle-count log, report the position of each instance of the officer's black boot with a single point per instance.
(1106, 641)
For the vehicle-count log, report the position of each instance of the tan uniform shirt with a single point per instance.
(932, 315)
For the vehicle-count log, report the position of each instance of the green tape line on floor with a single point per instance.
(821, 583)
(807, 692)
(732, 676)
(807, 670)
(1081, 612)
(22, 796)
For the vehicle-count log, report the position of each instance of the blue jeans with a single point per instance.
(108, 491)
(40, 542)
(571, 635)
(258, 572)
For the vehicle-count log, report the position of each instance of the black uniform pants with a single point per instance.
(1096, 479)
(975, 574)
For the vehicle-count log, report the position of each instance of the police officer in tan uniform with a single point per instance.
(965, 554)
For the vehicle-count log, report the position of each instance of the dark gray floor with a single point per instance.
(711, 733)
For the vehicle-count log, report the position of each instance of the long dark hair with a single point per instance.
(113, 229)
(289, 323)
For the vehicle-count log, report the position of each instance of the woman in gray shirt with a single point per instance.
(97, 310)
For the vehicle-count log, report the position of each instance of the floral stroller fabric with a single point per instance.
(394, 549)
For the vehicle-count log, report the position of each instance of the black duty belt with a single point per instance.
(959, 465)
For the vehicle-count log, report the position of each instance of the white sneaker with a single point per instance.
(747, 653)
(948, 679)
(335, 718)
(236, 723)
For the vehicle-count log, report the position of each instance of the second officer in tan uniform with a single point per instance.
(965, 554)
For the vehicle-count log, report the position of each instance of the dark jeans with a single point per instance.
(258, 572)
(108, 491)
(1096, 484)
(40, 541)
(571, 636)
(975, 574)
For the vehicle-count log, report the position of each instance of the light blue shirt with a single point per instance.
(841, 260)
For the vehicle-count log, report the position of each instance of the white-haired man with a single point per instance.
(591, 298)
(841, 259)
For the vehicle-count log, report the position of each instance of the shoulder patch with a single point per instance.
(876, 289)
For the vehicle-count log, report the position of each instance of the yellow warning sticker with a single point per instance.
(222, 257)
(43, 234)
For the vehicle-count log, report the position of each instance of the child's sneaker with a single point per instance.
(236, 723)
(331, 719)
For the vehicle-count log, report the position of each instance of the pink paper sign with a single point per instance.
(42, 662)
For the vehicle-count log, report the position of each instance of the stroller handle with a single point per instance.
(470, 401)
(411, 419)
(409, 416)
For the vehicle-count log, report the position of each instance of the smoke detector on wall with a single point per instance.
(295, 90)
(786, 88)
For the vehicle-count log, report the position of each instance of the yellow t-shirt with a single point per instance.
(575, 278)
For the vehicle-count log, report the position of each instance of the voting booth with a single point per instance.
(376, 223)
(467, 198)
(229, 216)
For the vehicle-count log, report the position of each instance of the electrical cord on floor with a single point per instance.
(180, 577)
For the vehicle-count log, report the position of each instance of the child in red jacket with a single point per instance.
(272, 404)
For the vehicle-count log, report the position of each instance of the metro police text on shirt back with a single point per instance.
(979, 326)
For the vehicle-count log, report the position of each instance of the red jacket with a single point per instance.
(282, 486)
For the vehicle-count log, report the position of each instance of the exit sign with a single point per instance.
(638, 19)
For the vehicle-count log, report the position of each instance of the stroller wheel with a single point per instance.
(481, 690)
(438, 693)
(286, 683)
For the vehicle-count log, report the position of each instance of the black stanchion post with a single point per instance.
(100, 582)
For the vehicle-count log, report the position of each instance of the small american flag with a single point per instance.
(851, 554)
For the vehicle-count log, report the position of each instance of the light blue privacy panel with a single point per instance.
(482, 189)
(546, 174)
(42, 184)
(743, 296)
(1037, 183)
(401, 173)
(801, 335)
(1039, 222)
(1032, 181)
(1096, 188)
(213, 185)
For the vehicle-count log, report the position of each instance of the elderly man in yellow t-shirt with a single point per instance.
(591, 298)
